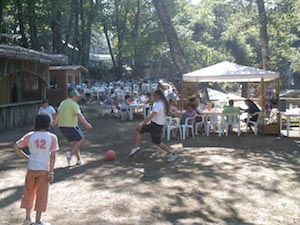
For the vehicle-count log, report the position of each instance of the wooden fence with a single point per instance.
(18, 114)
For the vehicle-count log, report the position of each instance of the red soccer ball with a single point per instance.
(110, 155)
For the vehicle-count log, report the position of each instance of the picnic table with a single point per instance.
(289, 114)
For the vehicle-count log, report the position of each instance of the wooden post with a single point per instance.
(248, 92)
(262, 100)
(278, 104)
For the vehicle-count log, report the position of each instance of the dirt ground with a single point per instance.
(228, 180)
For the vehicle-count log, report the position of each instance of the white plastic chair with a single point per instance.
(172, 125)
(254, 123)
(214, 120)
(231, 120)
(146, 109)
(104, 109)
(189, 124)
(200, 123)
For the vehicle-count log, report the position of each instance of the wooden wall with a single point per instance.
(18, 114)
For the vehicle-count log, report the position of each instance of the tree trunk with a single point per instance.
(21, 24)
(136, 32)
(110, 50)
(56, 27)
(121, 28)
(76, 34)
(263, 34)
(175, 48)
(70, 23)
(2, 25)
(32, 23)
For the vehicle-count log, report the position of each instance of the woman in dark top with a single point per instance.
(252, 108)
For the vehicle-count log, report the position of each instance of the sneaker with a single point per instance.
(133, 151)
(172, 157)
(42, 223)
(69, 157)
(79, 162)
(27, 222)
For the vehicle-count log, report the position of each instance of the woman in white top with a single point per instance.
(155, 127)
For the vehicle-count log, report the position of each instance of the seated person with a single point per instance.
(173, 109)
(198, 108)
(190, 112)
(231, 109)
(148, 99)
(252, 108)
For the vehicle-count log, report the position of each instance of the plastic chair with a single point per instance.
(214, 120)
(231, 120)
(172, 125)
(104, 109)
(254, 123)
(126, 112)
(189, 124)
(197, 124)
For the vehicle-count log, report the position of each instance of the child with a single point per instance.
(47, 109)
(190, 113)
(42, 147)
(157, 121)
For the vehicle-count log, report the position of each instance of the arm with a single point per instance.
(54, 122)
(19, 152)
(84, 121)
(149, 118)
(51, 170)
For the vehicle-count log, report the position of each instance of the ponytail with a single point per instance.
(164, 99)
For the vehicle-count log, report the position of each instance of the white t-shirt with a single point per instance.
(40, 144)
(160, 117)
(47, 111)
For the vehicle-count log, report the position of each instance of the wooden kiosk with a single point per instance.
(60, 77)
(258, 80)
(24, 79)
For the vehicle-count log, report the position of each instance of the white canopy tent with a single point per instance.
(230, 72)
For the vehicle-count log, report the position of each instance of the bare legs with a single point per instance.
(37, 218)
(75, 148)
(28, 214)
(165, 148)
(138, 137)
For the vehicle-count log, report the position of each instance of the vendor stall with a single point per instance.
(24, 78)
(263, 85)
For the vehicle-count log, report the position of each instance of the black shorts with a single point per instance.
(155, 130)
(72, 133)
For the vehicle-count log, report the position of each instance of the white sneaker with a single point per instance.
(133, 151)
(27, 222)
(69, 157)
(172, 157)
(79, 162)
(42, 223)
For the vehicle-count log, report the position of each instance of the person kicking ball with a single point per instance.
(154, 124)
(67, 117)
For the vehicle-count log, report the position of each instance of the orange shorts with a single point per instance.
(36, 184)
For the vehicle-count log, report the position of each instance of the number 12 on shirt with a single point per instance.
(41, 144)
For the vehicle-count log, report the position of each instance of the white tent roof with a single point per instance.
(230, 72)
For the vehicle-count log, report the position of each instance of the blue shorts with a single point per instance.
(72, 133)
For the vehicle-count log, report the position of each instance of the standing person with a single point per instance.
(42, 147)
(157, 121)
(48, 110)
(67, 117)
